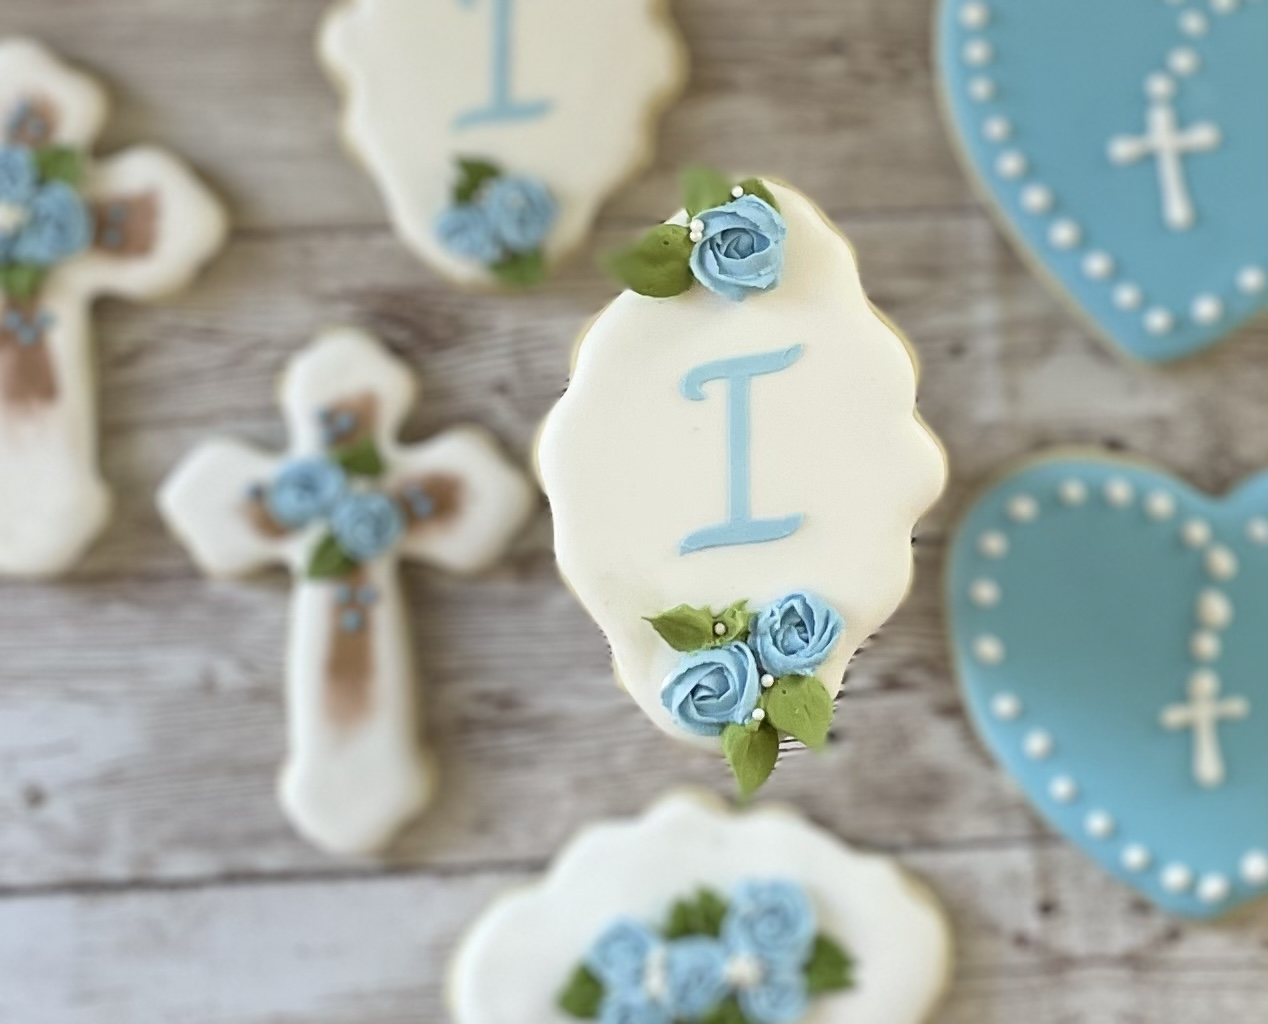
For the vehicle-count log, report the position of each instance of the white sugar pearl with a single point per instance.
(984, 593)
(993, 544)
(1098, 265)
(989, 650)
(1257, 531)
(1119, 493)
(1206, 646)
(1128, 296)
(768, 681)
(1038, 745)
(1207, 310)
(1160, 506)
(719, 629)
(1215, 610)
(1213, 889)
(737, 192)
(1159, 321)
(1073, 492)
(1011, 164)
(1065, 234)
(759, 715)
(975, 15)
(1136, 858)
(1196, 533)
(997, 129)
(1194, 24)
(982, 89)
(1252, 280)
(1160, 87)
(1221, 563)
(978, 53)
(1023, 509)
(1184, 61)
(1176, 878)
(1037, 199)
(1254, 868)
(1099, 825)
(1063, 789)
(1006, 707)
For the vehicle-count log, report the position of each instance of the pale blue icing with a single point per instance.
(1075, 623)
(1045, 85)
(502, 106)
(619, 957)
(366, 525)
(521, 211)
(59, 226)
(795, 635)
(19, 175)
(781, 998)
(712, 689)
(773, 921)
(738, 373)
(741, 248)
(304, 491)
(466, 230)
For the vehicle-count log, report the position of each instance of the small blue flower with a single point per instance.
(695, 977)
(713, 689)
(619, 958)
(366, 525)
(781, 998)
(522, 212)
(795, 635)
(741, 250)
(304, 492)
(467, 231)
(58, 227)
(772, 921)
(19, 175)
(632, 1008)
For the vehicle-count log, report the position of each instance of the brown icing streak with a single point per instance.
(445, 492)
(26, 131)
(349, 663)
(26, 371)
(365, 408)
(258, 515)
(126, 226)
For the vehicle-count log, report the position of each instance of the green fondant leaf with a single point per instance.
(757, 187)
(658, 265)
(583, 997)
(329, 561)
(801, 707)
(522, 270)
(702, 915)
(60, 163)
(474, 174)
(736, 619)
(685, 628)
(728, 1013)
(703, 189)
(751, 753)
(830, 969)
(361, 458)
(21, 280)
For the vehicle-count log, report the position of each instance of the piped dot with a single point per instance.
(1159, 86)
(1136, 858)
(1038, 745)
(975, 15)
(1194, 24)
(1221, 564)
(1063, 789)
(1006, 707)
(1160, 506)
(1184, 61)
(1011, 164)
(1254, 868)
(997, 129)
(989, 650)
(1037, 199)
(1119, 492)
(1215, 610)
(1206, 646)
(1128, 296)
(1207, 310)
(982, 89)
(1252, 280)
(978, 53)
(1099, 825)
(1072, 492)
(1023, 509)
(1196, 533)
(1159, 321)
(1213, 888)
(1098, 265)
(1257, 531)
(993, 544)
(984, 593)
(1177, 878)
(1065, 234)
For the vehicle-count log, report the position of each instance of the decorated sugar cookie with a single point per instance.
(736, 469)
(342, 509)
(1106, 626)
(1123, 146)
(696, 913)
(496, 129)
(72, 228)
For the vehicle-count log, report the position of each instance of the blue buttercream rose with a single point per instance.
(19, 175)
(619, 958)
(632, 1008)
(366, 525)
(740, 248)
(713, 689)
(304, 492)
(467, 231)
(521, 210)
(772, 921)
(695, 977)
(780, 998)
(58, 226)
(795, 635)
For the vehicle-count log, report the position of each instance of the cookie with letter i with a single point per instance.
(697, 913)
(73, 228)
(1106, 620)
(495, 129)
(342, 509)
(736, 469)
(1124, 148)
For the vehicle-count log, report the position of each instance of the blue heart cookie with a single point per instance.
(1107, 623)
(1125, 146)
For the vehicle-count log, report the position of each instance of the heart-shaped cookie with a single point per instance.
(1107, 625)
(1124, 146)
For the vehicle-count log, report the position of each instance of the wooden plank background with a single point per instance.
(146, 874)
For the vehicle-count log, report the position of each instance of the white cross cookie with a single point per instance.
(137, 225)
(341, 510)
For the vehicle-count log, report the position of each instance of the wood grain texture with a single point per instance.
(145, 871)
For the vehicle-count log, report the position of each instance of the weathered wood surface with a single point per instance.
(145, 871)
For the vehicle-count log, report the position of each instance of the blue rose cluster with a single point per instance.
(767, 939)
(739, 248)
(42, 223)
(714, 688)
(364, 523)
(509, 216)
